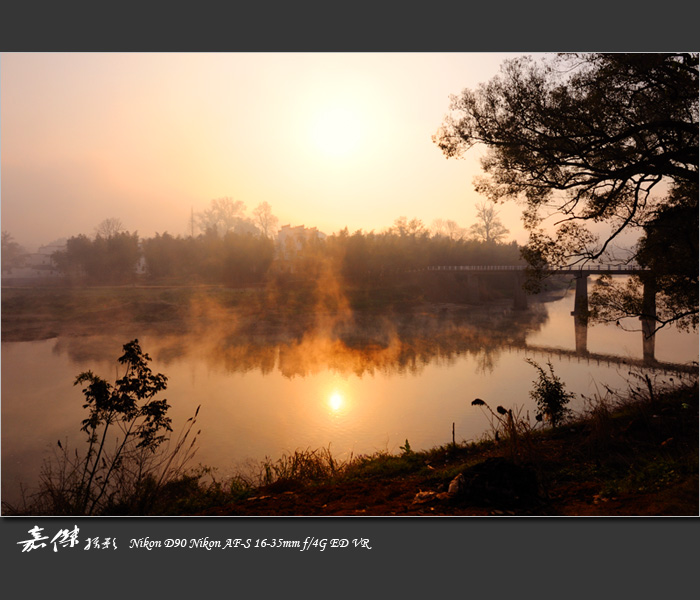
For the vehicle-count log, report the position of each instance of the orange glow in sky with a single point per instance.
(328, 140)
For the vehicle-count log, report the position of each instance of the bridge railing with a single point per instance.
(477, 268)
(608, 268)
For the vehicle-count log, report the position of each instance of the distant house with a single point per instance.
(42, 258)
(39, 264)
(292, 242)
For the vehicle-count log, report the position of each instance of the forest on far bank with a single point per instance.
(242, 255)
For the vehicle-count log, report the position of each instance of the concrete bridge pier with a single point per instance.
(581, 299)
(581, 333)
(580, 314)
(648, 320)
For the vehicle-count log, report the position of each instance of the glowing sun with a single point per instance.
(337, 131)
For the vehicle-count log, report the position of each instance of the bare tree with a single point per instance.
(455, 231)
(224, 215)
(405, 228)
(109, 227)
(448, 228)
(264, 220)
(438, 227)
(488, 228)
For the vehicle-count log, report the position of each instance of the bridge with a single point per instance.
(588, 268)
(580, 312)
(581, 274)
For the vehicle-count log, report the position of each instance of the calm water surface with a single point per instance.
(265, 399)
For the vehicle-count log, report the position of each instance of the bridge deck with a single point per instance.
(574, 270)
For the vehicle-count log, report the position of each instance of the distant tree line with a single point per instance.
(249, 257)
(230, 248)
(230, 259)
(386, 256)
(111, 259)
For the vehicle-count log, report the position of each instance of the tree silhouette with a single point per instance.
(264, 220)
(109, 227)
(224, 215)
(12, 253)
(597, 139)
(488, 227)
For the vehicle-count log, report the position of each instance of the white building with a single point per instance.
(38, 264)
(291, 242)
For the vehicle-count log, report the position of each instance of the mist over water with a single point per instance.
(355, 382)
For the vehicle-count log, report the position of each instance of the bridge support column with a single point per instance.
(520, 297)
(581, 333)
(580, 314)
(581, 299)
(648, 320)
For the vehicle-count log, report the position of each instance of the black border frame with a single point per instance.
(413, 556)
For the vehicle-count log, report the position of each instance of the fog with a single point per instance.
(148, 138)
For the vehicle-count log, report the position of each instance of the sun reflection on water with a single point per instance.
(336, 401)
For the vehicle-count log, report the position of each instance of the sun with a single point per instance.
(337, 131)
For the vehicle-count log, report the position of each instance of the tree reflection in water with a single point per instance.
(361, 345)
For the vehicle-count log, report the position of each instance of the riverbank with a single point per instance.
(632, 456)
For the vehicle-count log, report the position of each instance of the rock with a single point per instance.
(457, 486)
(495, 482)
(422, 497)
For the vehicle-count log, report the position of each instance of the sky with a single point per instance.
(327, 140)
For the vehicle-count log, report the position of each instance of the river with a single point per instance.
(371, 394)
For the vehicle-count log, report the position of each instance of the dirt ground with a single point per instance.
(424, 493)
(634, 466)
(407, 497)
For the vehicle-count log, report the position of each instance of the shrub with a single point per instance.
(550, 395)
(126, 464)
